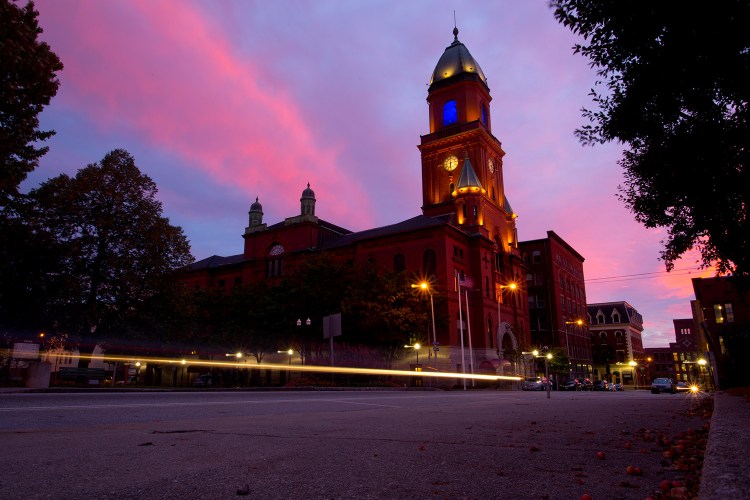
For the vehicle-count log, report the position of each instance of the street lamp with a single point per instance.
(512, 287)
(417, 346)
(633, 364)
(303, 350)
(702, 364)
(547, 357)
(425, 287)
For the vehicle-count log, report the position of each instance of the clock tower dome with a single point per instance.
(462, 162)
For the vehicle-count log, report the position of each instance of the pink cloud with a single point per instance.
(176, 83)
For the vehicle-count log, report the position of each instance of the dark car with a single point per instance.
(600, 385)
(204, 380)
(572, 385)
(663, 384)
(533, 384)
(587, 385)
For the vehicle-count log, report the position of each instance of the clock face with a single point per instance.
(450, 163)
(491, 165)
(277, 250)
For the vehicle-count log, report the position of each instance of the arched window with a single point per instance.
(450, 113)
(603, 337)
(618, 337)
(399, 263)
(484, 114)
(429, 264)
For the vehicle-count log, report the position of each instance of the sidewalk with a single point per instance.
(725, 471)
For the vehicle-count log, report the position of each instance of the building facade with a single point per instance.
(721, 312)
(557, 301)
(464, 243)
(681, 360)
(616, 341)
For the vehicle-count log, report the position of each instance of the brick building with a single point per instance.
(466, 232)
(557, 300)
(679, 361)
(615, 330)
(721, 312)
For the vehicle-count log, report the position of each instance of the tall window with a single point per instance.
(450, 113)
(429, 263)
(399, 263)
(484, 114)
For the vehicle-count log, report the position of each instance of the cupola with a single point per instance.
(307, 201)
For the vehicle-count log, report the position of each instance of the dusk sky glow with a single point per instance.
(223, 101)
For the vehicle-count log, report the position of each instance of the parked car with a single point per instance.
(533, 384)
(572, 385)
(682, 386)
(587, 385)
(600, 385)
(203, 381)
(663, 384)
(616, 387)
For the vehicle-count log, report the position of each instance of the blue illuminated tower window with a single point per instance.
(484, 115)
(450, 113)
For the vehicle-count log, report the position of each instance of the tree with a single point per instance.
(675, 88)
(115, 248)
(27, 83)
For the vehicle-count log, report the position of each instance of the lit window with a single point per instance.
(729, 313)
(484, 114)
(450, 113)
(718, 314)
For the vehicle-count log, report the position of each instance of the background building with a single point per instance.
(615, 329)
(721, 312)
(679, 361)
(557, 300)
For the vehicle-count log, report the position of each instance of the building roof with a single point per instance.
(627, 312)
(468, 181)
(456, 60)
(214, 262)
(413, 224)
(347, 238)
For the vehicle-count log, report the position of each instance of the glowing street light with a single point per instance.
(633, 364)
(425, 287)
(417, 346)
(512, 287)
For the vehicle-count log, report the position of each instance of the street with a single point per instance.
(336, 444)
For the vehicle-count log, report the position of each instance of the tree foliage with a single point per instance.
(675, 88)
(114, 249)
(28, 81)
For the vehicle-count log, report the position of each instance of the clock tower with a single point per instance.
(462, 162)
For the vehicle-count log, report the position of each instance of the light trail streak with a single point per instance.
(186, 362)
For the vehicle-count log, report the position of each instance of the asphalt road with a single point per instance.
(336, 445)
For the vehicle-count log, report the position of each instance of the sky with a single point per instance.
(223, 101)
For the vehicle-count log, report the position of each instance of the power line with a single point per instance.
(640, 276)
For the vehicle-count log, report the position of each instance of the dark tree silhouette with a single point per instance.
(675, 89)
(27, 83)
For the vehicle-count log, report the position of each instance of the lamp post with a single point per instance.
(702, 364)
(633, 364)
(417, 346)
(425, 287)
(512, 287)
(547, 357)
(303, 351)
